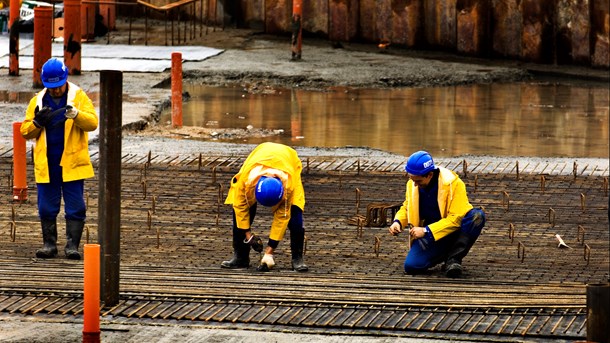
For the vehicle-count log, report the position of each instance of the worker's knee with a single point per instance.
(415, 264)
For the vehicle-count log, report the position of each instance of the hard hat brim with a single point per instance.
(54, 84)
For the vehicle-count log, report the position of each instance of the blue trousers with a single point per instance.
(50, 194)
(425, 253)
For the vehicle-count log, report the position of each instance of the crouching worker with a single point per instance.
(58, 118)
(271, 176)
(442, 223)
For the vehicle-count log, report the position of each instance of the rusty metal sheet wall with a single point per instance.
(367, 19)
(600, 30)
(537, 34)
(506, 28)
(343, 19)
(253, 13)
(278, 14)
(541, 31)
(447, 23)
(316, 17)
(472, 27)
(572, 38)
(407, 22)
(383, 14)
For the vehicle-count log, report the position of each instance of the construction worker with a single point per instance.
(58, 118)
(442, 223)
(271, 176)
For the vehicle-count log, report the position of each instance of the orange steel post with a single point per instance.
(297, 16)
(177, 89)
(108, 12)
(43, 22)
(72, 36)
(88, 10)
(20, 185)
(13, 24)
(91, 294)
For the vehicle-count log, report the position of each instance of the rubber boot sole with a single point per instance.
(46, 253)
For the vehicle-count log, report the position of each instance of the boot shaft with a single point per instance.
(74, 232)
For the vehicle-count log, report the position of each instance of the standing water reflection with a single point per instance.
(520, 119)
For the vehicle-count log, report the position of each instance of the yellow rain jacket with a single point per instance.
(274, 160)
(452, 202)
(75, 160)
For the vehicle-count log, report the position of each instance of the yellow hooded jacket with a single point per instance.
(452, 201)
(274, 160)
(75, 160)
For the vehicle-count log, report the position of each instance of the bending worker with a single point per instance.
(58, 118)
(442, 223)
(271, 176)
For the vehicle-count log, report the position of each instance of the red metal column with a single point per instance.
(43, 24)
(72, 36)
(177, 89)
(297, 28)
(88, 10)
(13, 24)
(108, 12)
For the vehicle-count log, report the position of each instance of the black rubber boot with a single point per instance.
(459, 249)
(241, 252)
(49, 239)
(74, 232)
(297, 241)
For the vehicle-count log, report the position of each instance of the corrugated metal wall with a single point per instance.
(541, 31)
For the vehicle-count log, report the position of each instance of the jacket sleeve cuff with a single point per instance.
(429, 234)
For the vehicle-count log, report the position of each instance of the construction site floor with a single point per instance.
(518, 284)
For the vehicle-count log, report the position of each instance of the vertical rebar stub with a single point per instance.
(376, 246)
(506, 200)
(552, 217)
(580, 234)
(521, 251)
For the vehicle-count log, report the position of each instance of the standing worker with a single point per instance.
(442, 223)
(271, 176)
(58, 118)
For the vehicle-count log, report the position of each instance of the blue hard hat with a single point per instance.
(269, 191)
(420, 163)
(54, 73)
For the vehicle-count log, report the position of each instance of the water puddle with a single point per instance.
(518, 119)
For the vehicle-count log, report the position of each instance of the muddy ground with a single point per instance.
(262, 63)
(258, 62)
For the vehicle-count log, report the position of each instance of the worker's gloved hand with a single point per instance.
(42, 117)
(71, 112)
(255, 242)
(267, 263)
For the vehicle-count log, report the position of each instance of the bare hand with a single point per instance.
(395, 229)
(417, 231)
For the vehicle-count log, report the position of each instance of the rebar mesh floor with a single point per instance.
(175, 231)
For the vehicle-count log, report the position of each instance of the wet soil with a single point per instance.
(261, 63)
